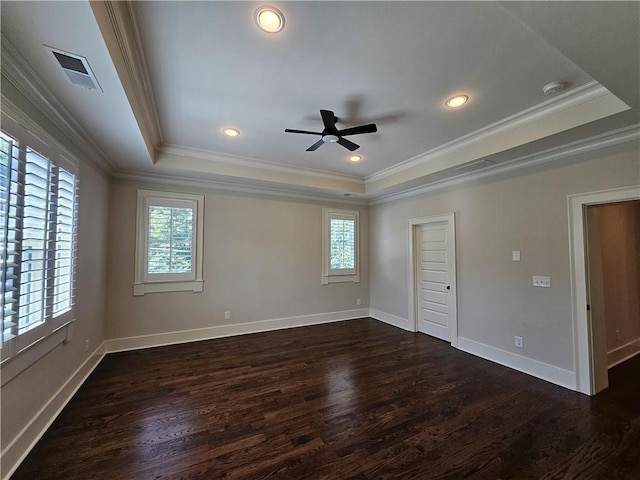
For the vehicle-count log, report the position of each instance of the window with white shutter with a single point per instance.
(340, 246)
(169, 242)
(38, 205)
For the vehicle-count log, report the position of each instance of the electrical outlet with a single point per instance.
(86, 345)
(518, 342)
(358, 302)
(227, 315)
(541, 281)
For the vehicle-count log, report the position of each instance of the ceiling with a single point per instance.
(174, 74)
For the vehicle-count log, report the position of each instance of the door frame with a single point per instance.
(412, 225)
(582, 328)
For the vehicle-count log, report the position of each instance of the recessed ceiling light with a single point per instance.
(457, 101)
(231, 132)
(355, 158)
(269, 19)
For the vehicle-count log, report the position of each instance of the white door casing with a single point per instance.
(432, 276)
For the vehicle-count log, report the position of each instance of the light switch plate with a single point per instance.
(544, 282)
(515, 255)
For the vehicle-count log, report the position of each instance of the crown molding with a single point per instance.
(282, 192)
(17, 71)
(488, 138)
(245, 162)
(597, 142)
(116, 20)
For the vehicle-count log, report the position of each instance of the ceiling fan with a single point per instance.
(331, 134)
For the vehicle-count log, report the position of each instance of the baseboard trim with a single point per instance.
(391, 319)
(536, 368)
(614, 350)
(612, 354)
(623, 359)
(219, 331)
(16, 451)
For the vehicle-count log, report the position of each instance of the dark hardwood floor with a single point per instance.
(349, 400)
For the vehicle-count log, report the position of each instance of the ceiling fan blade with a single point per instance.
(315, 145)
(370, 128)
(290, 130)
(348, 144)
(329, 119)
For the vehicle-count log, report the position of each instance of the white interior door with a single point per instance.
(595, 297)
(435, 294)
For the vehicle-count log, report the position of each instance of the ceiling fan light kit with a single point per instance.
(331, 134)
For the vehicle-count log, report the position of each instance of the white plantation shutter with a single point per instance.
(8, 222)
(65, 237)
(170, 239)
(343, 243)
(35, 241)
(38, 216)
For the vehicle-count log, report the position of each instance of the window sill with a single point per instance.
(29, 355)
(140, 289)
(327, 279)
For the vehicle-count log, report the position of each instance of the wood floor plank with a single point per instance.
(348, 400)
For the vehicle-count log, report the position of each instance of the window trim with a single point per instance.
(330, 275)
(178, 282)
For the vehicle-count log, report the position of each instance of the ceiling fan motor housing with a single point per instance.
(331, 134)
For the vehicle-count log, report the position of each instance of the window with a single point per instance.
(169, 242)
(38, 211)
(340, 246)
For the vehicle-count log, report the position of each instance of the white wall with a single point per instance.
(31, 399)
(262, 261)
(525, 211)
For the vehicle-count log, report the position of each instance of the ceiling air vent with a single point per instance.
(77, 69)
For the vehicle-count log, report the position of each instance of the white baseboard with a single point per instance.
(625, 356)
(15, 452)
(536, 368)
(219, 331)
(391, 319)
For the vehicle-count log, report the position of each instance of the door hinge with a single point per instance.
(588, 308)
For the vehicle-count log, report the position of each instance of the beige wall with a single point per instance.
(262, 261)
(526, 211)
(31, 390)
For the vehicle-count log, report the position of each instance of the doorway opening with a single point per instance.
(597, 260)
(613, 276)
